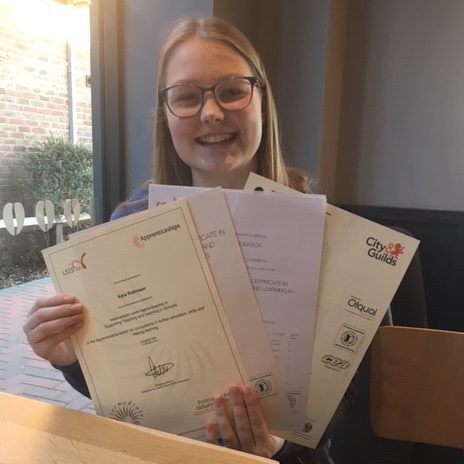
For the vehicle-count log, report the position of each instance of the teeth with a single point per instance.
(215, 138)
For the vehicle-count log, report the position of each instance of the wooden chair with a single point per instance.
(417, 385)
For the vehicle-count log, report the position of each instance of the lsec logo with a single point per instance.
(386, 253)
(75, 266)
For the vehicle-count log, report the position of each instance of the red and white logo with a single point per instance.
(76, 265)
(388, 254)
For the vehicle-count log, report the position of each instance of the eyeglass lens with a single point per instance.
(231, 94)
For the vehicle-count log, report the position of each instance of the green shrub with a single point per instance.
(60, 170)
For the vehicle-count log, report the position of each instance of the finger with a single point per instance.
(242, 422)
(224, 424)
(211, 433)
(44, 347)
(46, 314)
(257, 421)
(53, 327)
(54, 300)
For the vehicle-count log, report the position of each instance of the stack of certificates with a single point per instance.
(209, 288)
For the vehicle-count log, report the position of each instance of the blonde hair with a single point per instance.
(168, 167)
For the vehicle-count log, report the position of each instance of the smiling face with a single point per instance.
(218, 145)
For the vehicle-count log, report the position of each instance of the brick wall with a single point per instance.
(33, 83)
(34, 92)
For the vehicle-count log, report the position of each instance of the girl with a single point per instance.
(215, 124)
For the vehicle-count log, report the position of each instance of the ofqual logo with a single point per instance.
(356, 306)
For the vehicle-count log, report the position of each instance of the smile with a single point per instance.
(216, 138)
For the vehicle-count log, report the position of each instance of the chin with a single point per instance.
(221, 167)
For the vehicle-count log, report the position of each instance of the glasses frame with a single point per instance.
(254, 81)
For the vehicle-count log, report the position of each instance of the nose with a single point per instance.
(211, 111)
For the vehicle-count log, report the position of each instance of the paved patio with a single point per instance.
(21, 371)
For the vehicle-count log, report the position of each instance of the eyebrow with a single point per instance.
(196, 82)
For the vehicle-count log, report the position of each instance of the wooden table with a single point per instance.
(41, 433)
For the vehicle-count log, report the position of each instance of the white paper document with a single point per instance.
(281, 240)
(216, 231)
(156, 344)
(362, 265)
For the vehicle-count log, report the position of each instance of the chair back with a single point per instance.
(417, 385)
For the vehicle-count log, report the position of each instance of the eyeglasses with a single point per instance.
(187, 100)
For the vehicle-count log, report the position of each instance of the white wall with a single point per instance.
(402, 117)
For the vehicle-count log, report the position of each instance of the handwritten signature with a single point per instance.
(157, 371)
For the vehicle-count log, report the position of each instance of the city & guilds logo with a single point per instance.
(388, 254)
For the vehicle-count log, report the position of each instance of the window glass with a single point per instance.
(45, 131)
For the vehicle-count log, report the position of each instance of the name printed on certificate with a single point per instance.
(156, 344)
(362, 265)
(281, 240)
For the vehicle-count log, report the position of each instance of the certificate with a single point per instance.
(362, 265)
(281, 241)
(219, 241)
(156, 344)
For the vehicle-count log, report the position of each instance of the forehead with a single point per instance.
(204, 62)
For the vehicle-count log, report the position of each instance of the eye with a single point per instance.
(233, 92)
(184, 96)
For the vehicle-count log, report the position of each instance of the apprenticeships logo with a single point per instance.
(388, 254)
(139, 240)
(76, 265)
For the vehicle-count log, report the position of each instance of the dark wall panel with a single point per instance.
(145, 23)
(442, 257)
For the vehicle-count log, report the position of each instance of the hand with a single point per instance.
(51, 321)
(246, 430)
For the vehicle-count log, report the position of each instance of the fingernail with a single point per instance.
(68, 298)
(76, 307)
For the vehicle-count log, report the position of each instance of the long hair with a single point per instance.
(168, 167)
